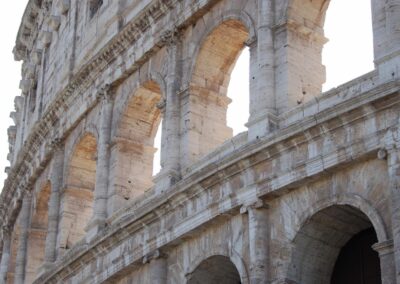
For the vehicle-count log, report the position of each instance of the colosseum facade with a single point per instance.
(309, 191)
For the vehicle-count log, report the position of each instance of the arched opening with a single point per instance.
(215, 270)
(133, 145)
(321, 248)
(358, 251)
(77, 198)
(37, 233)
(205, 107)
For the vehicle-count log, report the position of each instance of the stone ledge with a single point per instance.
(148, 210)
(82, 80)
(80, 83)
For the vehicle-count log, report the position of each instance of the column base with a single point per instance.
(46, 266)
(165, 179)
(262, 125)
(389, 67)
(94, 227)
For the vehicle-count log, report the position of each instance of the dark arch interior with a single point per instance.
(215, 270)
(357, 262)
(322, 241)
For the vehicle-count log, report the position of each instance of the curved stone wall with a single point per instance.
(80, 204)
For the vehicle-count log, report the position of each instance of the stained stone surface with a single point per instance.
(274, 204)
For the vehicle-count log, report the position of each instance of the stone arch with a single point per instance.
(206, 102)
(232, 256)
(323, 230)
(159, 80)
(133, 141)
(352, 200)
(78, 194)
(128, 89)
(38, 232)
(213, 23)
(215, 269)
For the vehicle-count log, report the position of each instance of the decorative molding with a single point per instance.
(66, 98)
(172, 37)
(63, 6)
(26, 167)
(382, 154)
(258, 204)
(56, 144)
(153, 255)
(105, 94)
(162, 104)
(54, 22)
(384, 248)
(250, 42)
(36, 56)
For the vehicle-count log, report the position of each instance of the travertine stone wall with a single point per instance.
(272, 205)
(38, 232)
(77, 197)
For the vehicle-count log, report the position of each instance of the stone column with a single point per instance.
(393, 159)
(5, 257)
(56, 180)
(103, 164)
(258, 242)
(158, 269)
(23, 239)
(386, 28)
(385, 250)
(298, 44)
(170, 140)
(393, 25)
(262, 96)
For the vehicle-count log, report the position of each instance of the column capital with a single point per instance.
(6, 231)
(383, 248)
(251, 41)
(56, 144)
(162, 104)
(382, 154)
(27, 194)
(258, 204)
(391, 139)
(171, 37)
(154, 255)
(105, 93)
